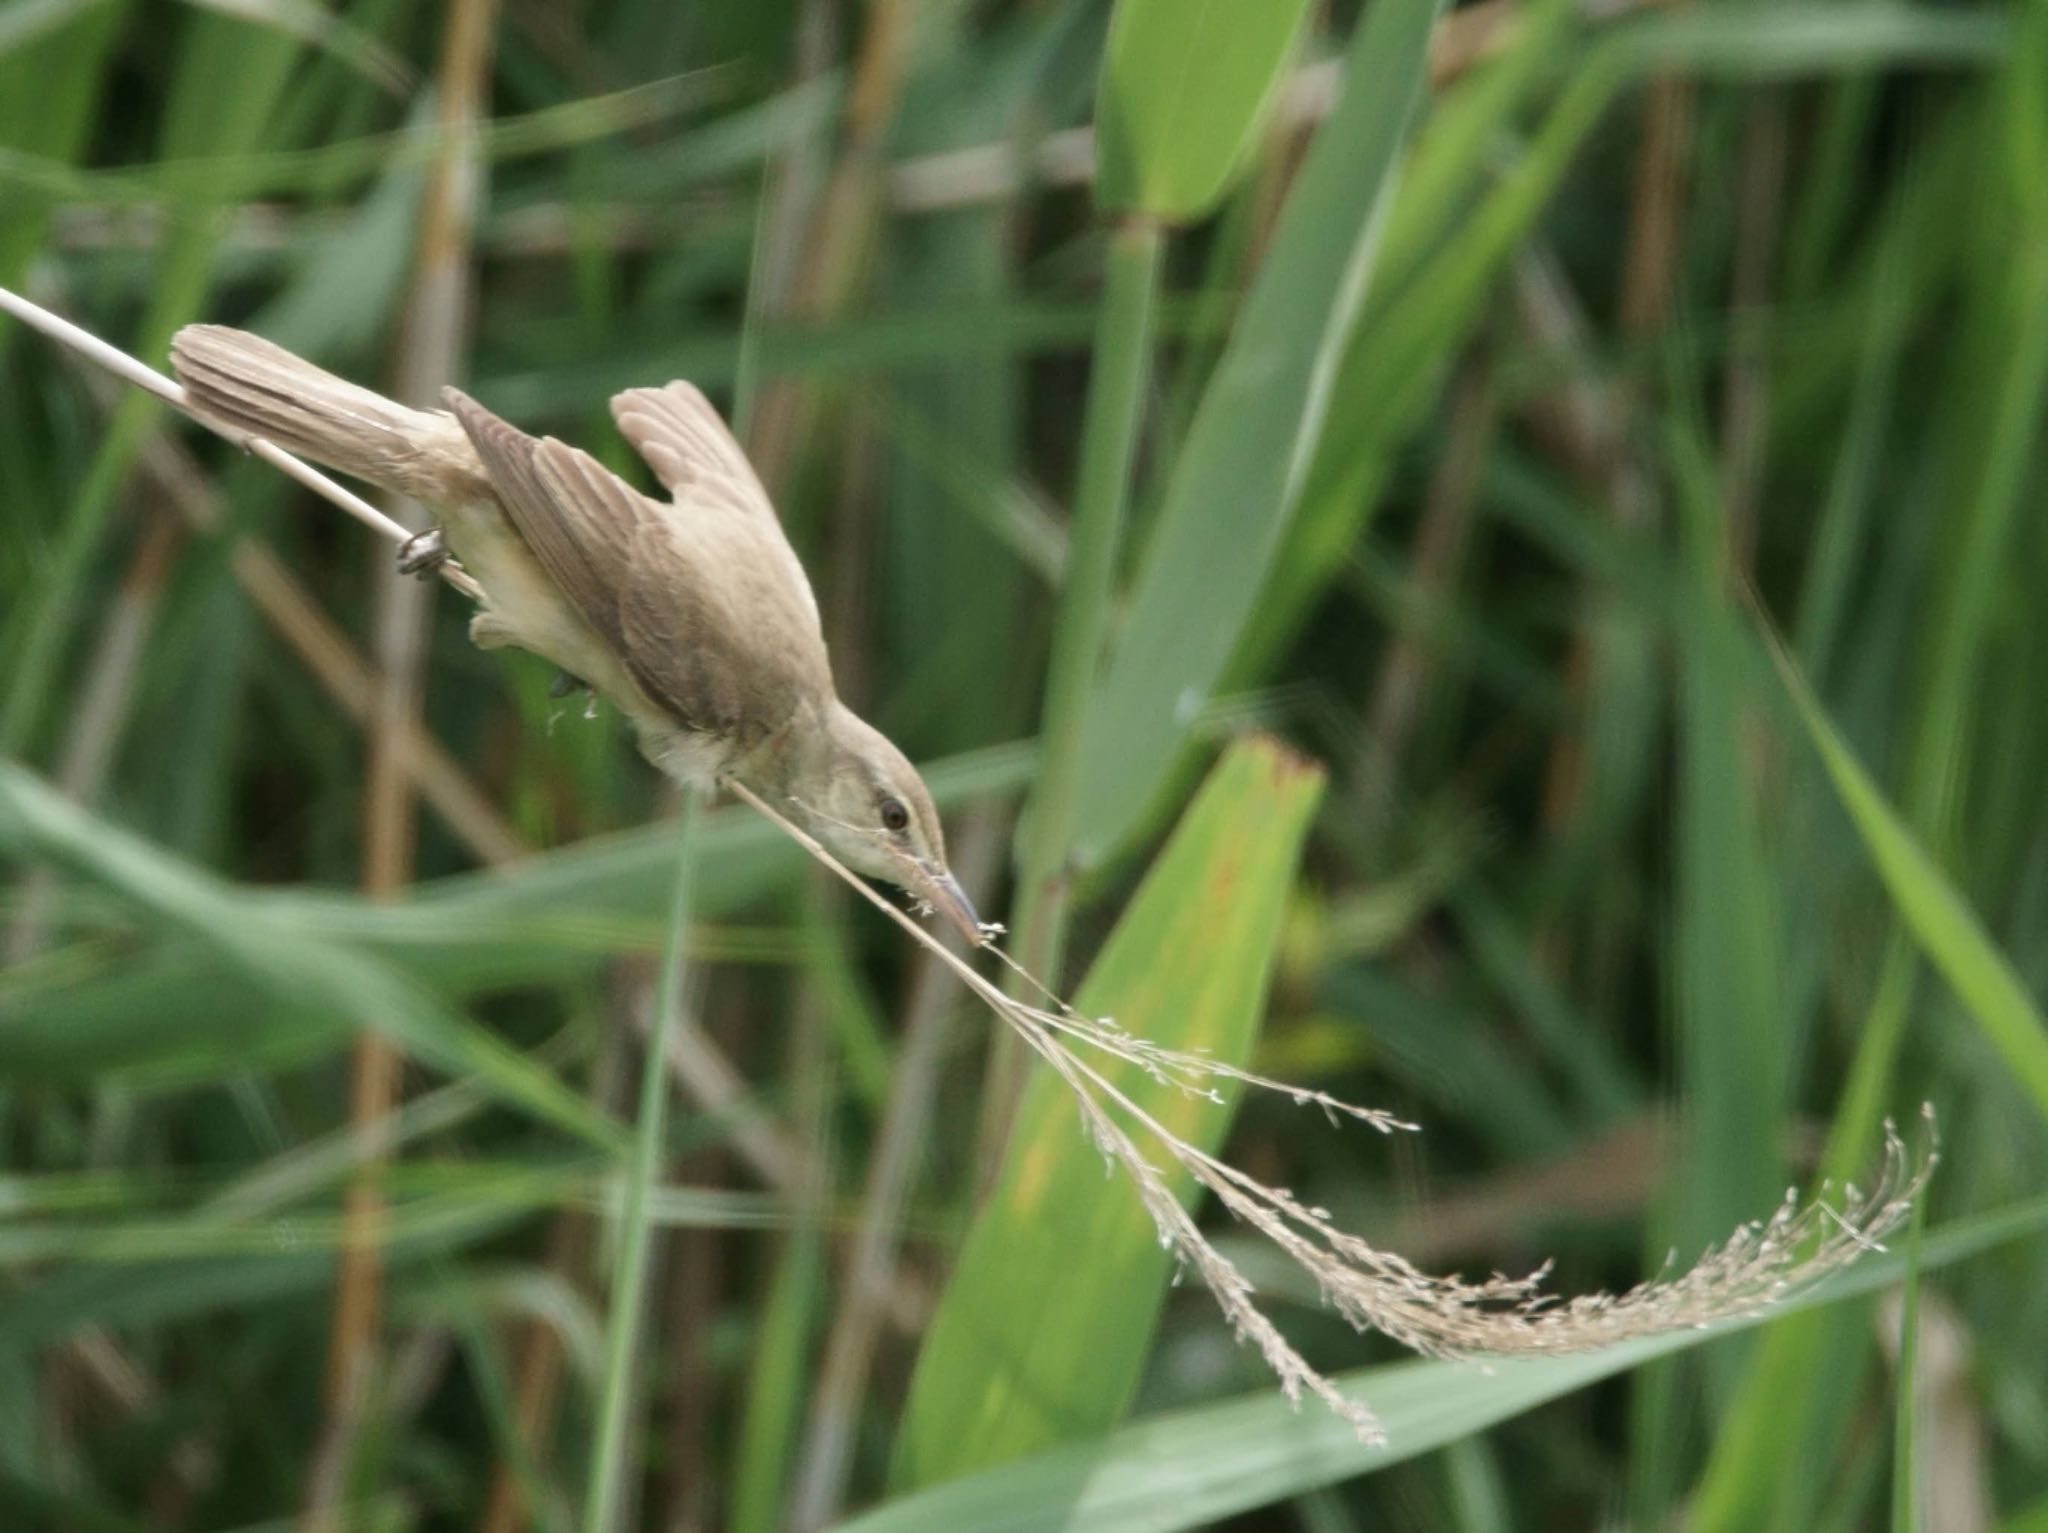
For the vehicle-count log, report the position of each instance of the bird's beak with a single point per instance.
(955, 906)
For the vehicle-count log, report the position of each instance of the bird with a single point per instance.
(691, 614)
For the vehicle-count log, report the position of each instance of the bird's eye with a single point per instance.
(894, 815)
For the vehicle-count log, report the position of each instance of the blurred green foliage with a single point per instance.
(1480, 449)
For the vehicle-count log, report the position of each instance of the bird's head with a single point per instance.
(864, 800)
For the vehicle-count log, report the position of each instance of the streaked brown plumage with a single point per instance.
(692, 614)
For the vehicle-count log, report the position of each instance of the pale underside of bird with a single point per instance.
(691, 614)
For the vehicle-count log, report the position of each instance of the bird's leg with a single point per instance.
(423, 553)
(564, 684)
(487, 632)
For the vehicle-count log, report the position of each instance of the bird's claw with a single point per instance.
(423, 553)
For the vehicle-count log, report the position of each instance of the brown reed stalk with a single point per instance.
(434, 338)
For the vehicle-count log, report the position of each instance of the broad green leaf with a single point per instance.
(1049, 1315)
(1191, 1469)
(1185, 87)
(1238, 474)
(291, 964)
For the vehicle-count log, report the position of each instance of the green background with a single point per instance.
(1534, 521)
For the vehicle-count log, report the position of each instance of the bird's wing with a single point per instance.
(699, 613)
(683, 439)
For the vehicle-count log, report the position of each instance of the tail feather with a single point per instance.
(247, 384)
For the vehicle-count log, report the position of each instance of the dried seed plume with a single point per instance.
(1759, 1263)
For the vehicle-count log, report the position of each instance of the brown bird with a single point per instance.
(692, 615)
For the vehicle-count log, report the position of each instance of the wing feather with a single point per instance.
(701, 616)
(686, 443)
(577, 556)
(681, 435)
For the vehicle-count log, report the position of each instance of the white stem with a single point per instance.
(143, 376)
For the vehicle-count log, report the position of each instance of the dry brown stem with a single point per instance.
(436, 323)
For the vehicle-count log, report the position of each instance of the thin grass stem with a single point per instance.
(1906, 1501)
(143, 376)
(1109, 443)
(1123, 352)
(605, 1493)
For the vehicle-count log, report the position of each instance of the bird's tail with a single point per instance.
(243, 382)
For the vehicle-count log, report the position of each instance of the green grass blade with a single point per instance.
(1768, 42)
(228, 85)
(203, 174)
(1391, 370)
(1240, 471)
(609, 1464)
(179, 1010)
(1940, 920)
(1049, 1314)
(763, 1462)
(1116, 399)
(143, 1295)
(1736, 1030)
(50, 84)
(293, 965)
(1759, 1471)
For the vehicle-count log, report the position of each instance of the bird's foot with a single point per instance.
(423, 553)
